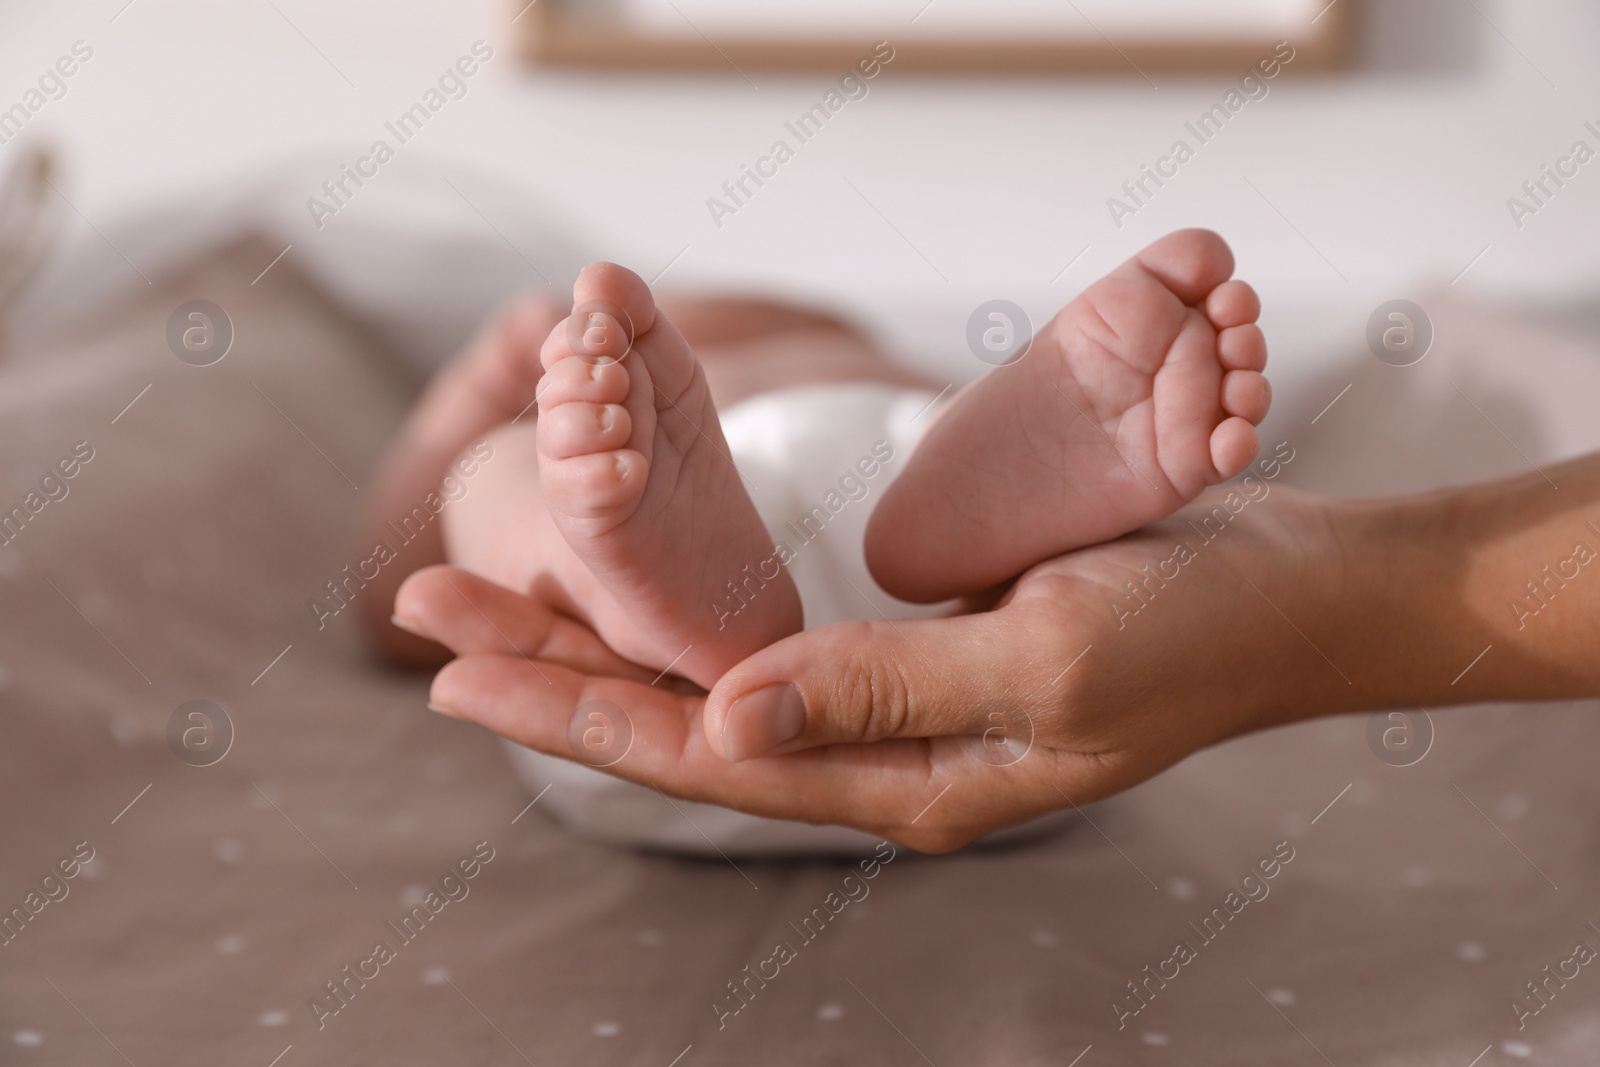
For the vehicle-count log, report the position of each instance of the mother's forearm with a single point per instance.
(1483, 593)
(1533, 582)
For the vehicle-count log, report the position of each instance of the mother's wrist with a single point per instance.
(1366, 614)
(1401, 628)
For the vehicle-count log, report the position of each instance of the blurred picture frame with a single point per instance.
(1134, 38)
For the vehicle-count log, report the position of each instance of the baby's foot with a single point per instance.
(1143, 391)
(638, 479)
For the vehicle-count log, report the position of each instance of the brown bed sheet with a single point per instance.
(221, 901)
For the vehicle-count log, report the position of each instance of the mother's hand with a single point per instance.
(1095, 671)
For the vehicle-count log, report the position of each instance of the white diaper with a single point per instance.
(815, 459)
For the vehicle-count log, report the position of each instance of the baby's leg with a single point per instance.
(748, 346)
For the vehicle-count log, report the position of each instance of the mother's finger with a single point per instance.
(470, 615)
(933, 794)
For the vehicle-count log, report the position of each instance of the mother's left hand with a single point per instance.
(928, 732)
(526, 673)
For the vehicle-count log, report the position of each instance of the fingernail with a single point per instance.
(441, 709)
(404, 624)
(759, 722)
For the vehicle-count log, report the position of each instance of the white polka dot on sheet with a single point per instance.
(1181, 889)
(28, 1038)
(1517, 1049)
(273, 1018)
(436, 976)
(95, 604)
(1415, 876)
(1281, 997)
(412, 895)
(230, 944)
(1513, 806)
(607, 1029)
(1045, 939)
(228, 850)
(830, 1012)
(650, 938)
(1471, 952)
(1155, 1037)
(125, 729)
(95, 870)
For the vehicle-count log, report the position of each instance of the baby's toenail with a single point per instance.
(607, 419)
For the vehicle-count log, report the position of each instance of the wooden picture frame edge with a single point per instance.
(546, 38)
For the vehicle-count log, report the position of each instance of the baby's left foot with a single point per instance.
(638, 479)
(1143, 391)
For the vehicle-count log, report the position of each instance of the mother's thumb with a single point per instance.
(864, 681)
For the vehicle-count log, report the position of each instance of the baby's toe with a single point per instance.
(579, 380)
(1246, 394)
(600, 485)
(1233, 445)
(608, 283)
(611, 308)
(579, 429)
(597, 333)
(1242, 348)
(1232, 303)
(1189, 262)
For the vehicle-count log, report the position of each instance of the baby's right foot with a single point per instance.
(1143, 391)
(637, 477)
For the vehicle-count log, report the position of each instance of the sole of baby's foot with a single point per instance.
(1143, 391)
(639, 481)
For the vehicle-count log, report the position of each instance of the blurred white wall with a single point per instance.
(1365, 185)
